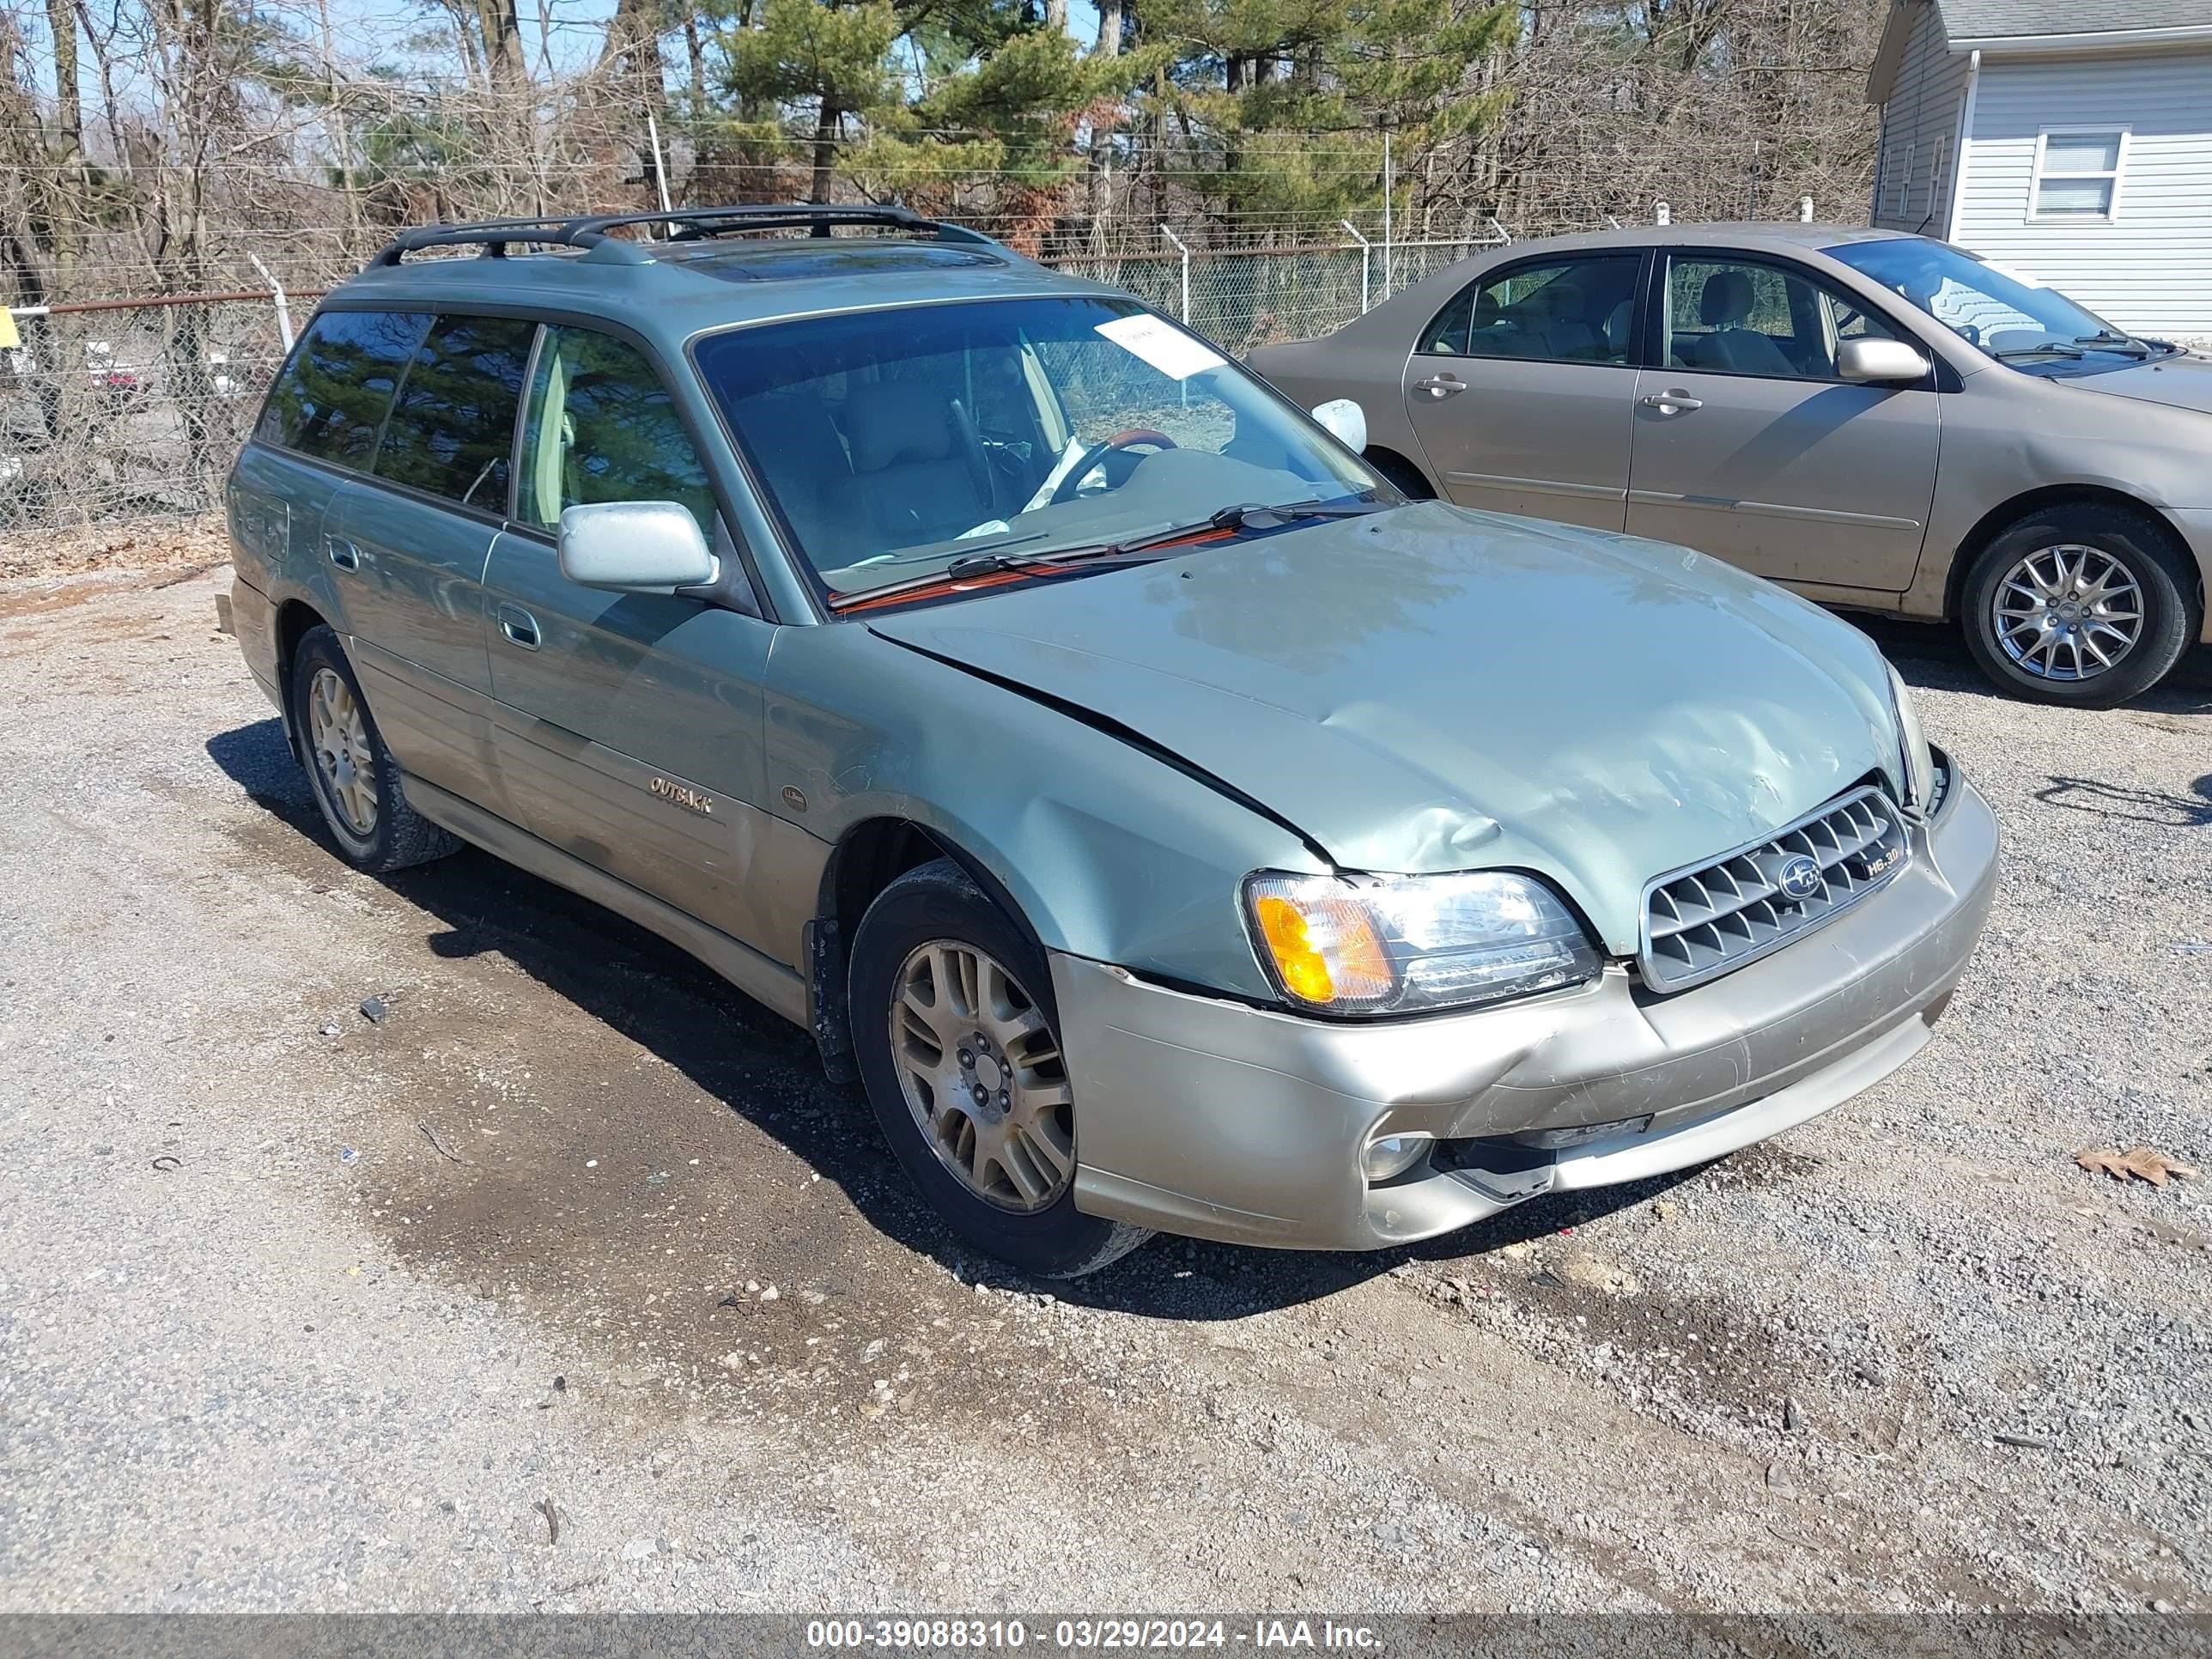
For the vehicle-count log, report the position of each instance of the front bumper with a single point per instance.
(1208, 1117)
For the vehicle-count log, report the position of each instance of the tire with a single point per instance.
(396, 836)
(1401, 473)
(907, 978)
(2106, 546)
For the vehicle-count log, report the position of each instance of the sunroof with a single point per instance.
(795, 257)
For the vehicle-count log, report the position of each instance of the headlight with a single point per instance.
(1381, 945)
(1919, 764)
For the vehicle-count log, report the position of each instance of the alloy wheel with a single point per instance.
(338, 736)
(2067, 612)
(983, 1074)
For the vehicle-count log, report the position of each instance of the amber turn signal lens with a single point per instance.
(1325, 947)
(1305, 973)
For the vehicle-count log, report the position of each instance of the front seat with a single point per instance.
(1724, 305)
(918, 476)
(1567, 331)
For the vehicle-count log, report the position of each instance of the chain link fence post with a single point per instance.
(1352, 230)
(1183, 248)
(283, 306)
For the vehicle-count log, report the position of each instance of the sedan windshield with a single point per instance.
(894, 443)
(2009, 315)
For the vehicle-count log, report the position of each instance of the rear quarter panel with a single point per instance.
(1370, 370)
(275, 505)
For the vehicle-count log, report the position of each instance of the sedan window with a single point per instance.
(1745, 317)
(1561, 311)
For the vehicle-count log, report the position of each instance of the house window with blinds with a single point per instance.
(2077, 174)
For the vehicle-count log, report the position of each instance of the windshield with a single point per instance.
(894, 442)
(2006, 313)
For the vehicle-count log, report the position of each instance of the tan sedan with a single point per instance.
(1879, 421)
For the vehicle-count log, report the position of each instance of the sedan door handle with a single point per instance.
(343, 554)
(1440, 385)
(1671, 403)
(520, 626)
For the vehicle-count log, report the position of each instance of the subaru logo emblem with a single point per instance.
(1799, 877)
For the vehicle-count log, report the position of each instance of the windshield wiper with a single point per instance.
(972, 565)
(1252, 515)
(2048, 348)
(2105, 340)
(1136, 549)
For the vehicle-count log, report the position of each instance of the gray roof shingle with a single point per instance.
(1982, 20)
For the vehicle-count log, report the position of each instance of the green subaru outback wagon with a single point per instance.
(1167, 824)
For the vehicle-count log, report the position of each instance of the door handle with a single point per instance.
(1440, 386)
(1671, 403)
(520, 626)
(343, 554)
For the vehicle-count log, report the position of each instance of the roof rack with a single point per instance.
(495, 236)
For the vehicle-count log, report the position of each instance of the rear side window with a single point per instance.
(453, 428)
(601, 427)
(1567, 311)
(331, 399)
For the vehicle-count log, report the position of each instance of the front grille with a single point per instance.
(1705, 921)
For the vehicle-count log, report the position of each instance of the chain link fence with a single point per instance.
(117, 410)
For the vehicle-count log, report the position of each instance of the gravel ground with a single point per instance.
(571, 1284)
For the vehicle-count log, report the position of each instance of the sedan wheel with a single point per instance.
(2068, 612)
(2081, 603)
(981, 1073)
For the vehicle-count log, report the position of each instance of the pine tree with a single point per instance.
(1284, 103)
(918, 100)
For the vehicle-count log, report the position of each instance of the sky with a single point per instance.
(370, 30)
(577, 25)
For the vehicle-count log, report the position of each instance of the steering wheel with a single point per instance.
(1098, 452)
(972, 456)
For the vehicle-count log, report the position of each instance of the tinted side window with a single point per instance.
(601, 427)
(332, 396)
(1564, 311)
(453, 428)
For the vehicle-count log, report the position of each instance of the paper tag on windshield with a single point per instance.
(1170, 350)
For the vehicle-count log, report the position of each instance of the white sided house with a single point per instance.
(2069, 140)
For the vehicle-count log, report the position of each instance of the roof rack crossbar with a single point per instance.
(685, 224)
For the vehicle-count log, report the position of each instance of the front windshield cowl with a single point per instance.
(995, 437)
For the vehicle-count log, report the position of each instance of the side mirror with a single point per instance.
(1346, 420)
(635, 546)
(1872, 362)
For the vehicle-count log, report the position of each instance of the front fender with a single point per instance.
(1110, 851)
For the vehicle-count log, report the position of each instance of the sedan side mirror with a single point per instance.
(635, 546)
(1346, 420)
(1865, 362)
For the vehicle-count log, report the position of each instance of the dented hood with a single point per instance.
(1431, 689)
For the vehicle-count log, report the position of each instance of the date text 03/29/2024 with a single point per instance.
(1091, 1635)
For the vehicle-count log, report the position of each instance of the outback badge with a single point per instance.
(683, 795)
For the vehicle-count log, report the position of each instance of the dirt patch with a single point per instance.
(578, 1160)
(160, 545)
